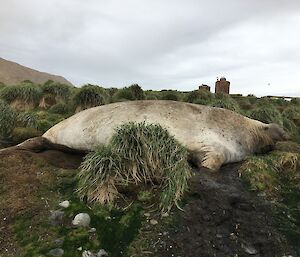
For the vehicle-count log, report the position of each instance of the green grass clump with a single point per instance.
(27, 119)
(2, 85)
(59, 108)
(131, 93)
(90, 96)
(267, 114)
(169, 95)
(138, 154)
(260, 174)
(226, 102)
(57, 90)
(7, 120)
(20, 134)
(27, 93)
(199, 95)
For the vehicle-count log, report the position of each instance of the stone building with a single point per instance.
(204, 87)
(222, 86)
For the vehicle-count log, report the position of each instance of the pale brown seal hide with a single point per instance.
(213, 136)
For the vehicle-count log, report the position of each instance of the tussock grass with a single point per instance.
(59, 108)
(131, 93)
(7, 120)
(226, 102)
(57, 90)
(199, 95)
(270, 173)
(138, 155)
(27, 119)
(267, 114)
(90, 96)
(28, 93)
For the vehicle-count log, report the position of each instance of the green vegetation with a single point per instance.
(90, 96)
(226, 102)
(27, 119)
(198, 96)
(133, 92)
(7, 120)
(57, 90)
(20, 134)
(24, 96)
(138, 154)
(277, 175)
(267, 114)
(59, 108)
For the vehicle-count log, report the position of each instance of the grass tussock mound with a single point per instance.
(22, 97)
(89, 96)
(7, 120)
(138, 155)
(266, 114)
(226, 102)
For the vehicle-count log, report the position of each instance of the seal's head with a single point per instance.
(276, 133)
(35, 144)
(272, 133)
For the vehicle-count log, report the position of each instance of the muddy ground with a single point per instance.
(221, 217)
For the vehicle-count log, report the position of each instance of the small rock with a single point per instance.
(81, 220)
(92, 230)
(56, 217)
(249, 249)
(58, 242)
(102, 253)
(165, 214)
(147, 214)
(88, 254)
(79, 248)
(153, 222)
(64, 204)
(56, 252)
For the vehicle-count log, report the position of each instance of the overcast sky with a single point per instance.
(159, 44)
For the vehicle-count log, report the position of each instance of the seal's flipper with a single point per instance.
(208, 157)
(35, 144)
(39, 144)
(213, 160)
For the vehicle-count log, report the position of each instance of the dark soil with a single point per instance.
(221, 218)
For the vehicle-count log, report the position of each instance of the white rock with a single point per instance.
(88, 254)
(81, 220)
(153, 222)
(64, 204)
(92, 230)
(102, 253)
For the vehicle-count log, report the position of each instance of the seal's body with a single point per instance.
(213, 136)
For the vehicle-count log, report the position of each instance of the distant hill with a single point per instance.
(14, 73)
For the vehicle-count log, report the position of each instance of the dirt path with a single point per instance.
(221, 218)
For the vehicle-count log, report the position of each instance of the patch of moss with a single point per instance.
(21, 134)
(115, 229)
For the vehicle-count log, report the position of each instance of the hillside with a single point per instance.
(14, 73)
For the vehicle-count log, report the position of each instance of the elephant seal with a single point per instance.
(213, 136)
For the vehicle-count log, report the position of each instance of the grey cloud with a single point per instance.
(159, 44)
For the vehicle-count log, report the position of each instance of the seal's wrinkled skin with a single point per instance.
(213, 136)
